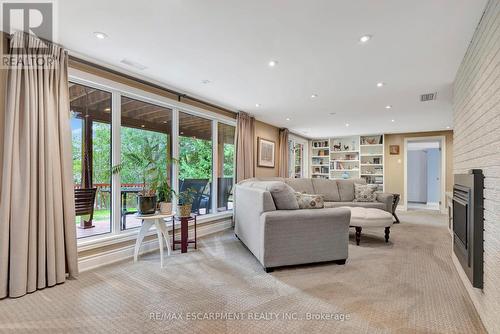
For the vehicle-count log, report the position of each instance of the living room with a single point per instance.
(263, 166)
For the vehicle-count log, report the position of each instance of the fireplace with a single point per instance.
(468, 221)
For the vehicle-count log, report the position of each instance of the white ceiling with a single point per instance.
(416, 48)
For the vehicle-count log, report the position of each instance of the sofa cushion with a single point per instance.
(373, 205)
(327, 188)
(309, 201)
(365, 192)
(301, 185)
(346, 188)
(283, 195)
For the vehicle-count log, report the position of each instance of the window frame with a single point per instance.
(118, 90)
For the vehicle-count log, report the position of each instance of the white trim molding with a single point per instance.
(442, 139)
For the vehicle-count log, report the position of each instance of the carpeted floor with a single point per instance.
(406, 286)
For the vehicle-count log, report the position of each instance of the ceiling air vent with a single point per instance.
(428, 97)
(133, 64)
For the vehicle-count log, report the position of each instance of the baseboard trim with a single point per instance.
(107, 257)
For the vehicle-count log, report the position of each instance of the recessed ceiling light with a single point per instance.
(380, 84)
(273, 63)
(142, 125)
(365, 38)
(313, 96)
(347, 124)
(287, 118)
(388, 106)
(100, 35)
(165, 122)
(205, 82)
(392, 120)
(333, 113)
(258, 105)
(448, 127)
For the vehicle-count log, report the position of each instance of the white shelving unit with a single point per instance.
(349, 157)
(320, 158)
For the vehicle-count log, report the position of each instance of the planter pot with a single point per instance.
(165, 208)
(146, 205)
(185, 210)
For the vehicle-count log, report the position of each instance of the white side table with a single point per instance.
(161, 230)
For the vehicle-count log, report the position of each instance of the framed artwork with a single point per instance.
(394, 149)
(265, 152)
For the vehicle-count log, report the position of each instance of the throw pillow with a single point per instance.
(283, 196)
(307, 201)
(365, 192)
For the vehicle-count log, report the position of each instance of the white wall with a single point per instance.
(477, 145)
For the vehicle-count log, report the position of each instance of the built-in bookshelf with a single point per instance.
(349, 157)
(320, 158)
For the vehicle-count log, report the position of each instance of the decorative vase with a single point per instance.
(146, 205)
(165, 208)
(185, 210)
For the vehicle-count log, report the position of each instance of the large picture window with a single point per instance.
(225, 170)
(91, 142)
(146, 139)
(195, 160)
(118, 135)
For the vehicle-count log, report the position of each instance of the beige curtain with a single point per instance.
(245, 137)
(283, 154)
(37, 217)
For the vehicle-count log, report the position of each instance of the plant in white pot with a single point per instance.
(165, 195)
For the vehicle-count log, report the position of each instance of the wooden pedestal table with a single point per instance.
(158, 220)
(184, 233)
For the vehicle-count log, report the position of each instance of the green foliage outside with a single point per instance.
(195, 156)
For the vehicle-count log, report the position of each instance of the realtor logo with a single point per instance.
(34, 18)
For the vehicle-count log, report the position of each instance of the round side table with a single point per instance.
(161, 230)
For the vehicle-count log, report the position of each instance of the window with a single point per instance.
(119, 130)
(91, 142)
(195, 160)
(225, 167)
(295, 159)
(146, 140)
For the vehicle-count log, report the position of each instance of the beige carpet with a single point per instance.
(406, 286)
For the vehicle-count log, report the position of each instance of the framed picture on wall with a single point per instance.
(265, 152)
(394, 149)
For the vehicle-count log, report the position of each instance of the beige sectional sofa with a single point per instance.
(289, 237)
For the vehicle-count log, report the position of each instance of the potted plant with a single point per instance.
(186, 199)
(148, 159)
(165, 194)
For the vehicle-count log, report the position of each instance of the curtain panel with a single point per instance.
(283, 153)
(245, 137)
(37, 211)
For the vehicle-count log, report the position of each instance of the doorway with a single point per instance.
(424, 173)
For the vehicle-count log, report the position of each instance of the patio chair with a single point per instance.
(84, 205)
(201, 198)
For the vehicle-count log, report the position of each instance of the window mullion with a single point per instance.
(175, 156)
(115, 160)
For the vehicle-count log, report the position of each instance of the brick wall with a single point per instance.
(477, 145)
